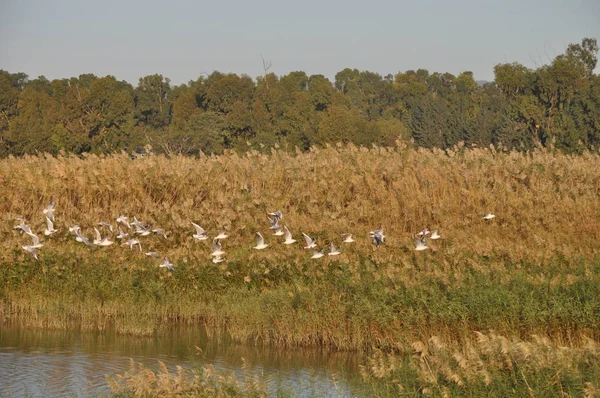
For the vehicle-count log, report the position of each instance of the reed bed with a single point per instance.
(139, 381)
(487, 364)
(533, 269)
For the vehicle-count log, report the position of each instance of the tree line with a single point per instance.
(557, 104)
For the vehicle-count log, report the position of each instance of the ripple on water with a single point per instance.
(53, 363)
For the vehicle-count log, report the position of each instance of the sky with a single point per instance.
(183, 40)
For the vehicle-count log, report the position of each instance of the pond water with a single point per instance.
(44, 363)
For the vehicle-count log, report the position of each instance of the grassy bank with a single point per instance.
(533, 269)
(347, 306)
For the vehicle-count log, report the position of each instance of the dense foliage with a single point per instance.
(556, 104)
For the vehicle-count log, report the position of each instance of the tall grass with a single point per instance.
(489, 365)
(138, 380)
(533, 269)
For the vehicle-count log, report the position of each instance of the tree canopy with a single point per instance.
(557, 104)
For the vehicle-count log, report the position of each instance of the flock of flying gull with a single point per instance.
(139, 229)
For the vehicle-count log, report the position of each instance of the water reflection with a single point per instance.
(58, 363)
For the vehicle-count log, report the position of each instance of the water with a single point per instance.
(42, 363)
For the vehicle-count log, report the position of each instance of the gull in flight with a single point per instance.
(333, 251)
(218, 259)
(277, 214)
(435, 235)
(22, 226)
(217, 248)
(311, 243)
(489, 216)
(378, 231)
(166, 264)
(200, 232)
(97, 236)
(143, 231)
(222, 234)
(122, 235)
(424, 232)
(275, 225)
(99, 241)
(347, 238)
(36, 241)
(49, 211)
(106, 224)
(160, 232)
(152, 254)
(318, 253)
(288, 236)
(377, 240)
(133, 242)
(136, 223)
(274, 222)
(420, 244)
(74, 230)
(260, 242)
(80, 238)
(31, 250)
(123, 220)
(377, 236)
(49, 227)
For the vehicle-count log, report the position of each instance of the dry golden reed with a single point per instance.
(489, 365)
(138, 380)
(532, 269)
(546, 202)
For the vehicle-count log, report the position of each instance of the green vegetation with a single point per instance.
(556, 105)
(533, 270)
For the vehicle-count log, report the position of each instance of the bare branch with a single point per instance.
(266, 65)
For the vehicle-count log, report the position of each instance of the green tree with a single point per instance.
(511, 78)
(347, 80)
(151, 105)
(30, 131)
(184, 107)
(225, 90)
(9, 99)
(465, 83)
(320, 91)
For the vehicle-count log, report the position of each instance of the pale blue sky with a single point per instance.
(183, 39)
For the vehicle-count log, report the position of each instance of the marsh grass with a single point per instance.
(487, 365)
(533, 269)
(139, 380)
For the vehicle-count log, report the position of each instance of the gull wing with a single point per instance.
(286, 233)
(332, 248)
(49, 224)
(97, 234)
(217, 246)
(34, 238)
(83, 239)
(259, 239)
(308, 239)
(199, 229)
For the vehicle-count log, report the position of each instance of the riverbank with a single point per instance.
(347, 306)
